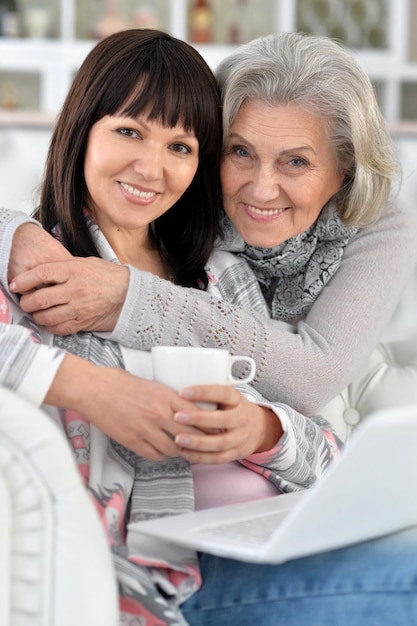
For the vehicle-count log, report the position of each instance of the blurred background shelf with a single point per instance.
(48, 39)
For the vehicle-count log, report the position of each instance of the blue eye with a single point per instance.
(297, 162)
(239, 151)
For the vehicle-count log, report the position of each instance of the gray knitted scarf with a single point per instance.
(292, 274)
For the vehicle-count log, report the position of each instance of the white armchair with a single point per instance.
(55, 566)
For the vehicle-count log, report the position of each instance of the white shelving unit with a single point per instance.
(53, 61)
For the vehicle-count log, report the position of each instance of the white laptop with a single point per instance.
(370, 492)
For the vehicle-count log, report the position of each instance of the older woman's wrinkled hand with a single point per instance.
(77, 294)
(31, 246)
(237, 429)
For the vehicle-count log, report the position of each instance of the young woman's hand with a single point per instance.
(137, 413)
(237, 429)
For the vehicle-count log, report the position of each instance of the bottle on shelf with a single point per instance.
(9, 98)
(9, 19)
(145, 17)
(111, 22)
(201, 22)
(238, 29)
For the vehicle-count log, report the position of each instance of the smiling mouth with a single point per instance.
(135, 192)
(265, 212)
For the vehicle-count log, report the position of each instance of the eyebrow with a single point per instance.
(142, 121)
(301, 148)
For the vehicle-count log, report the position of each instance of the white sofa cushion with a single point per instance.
(389, 378)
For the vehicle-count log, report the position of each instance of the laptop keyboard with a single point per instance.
(255, 530)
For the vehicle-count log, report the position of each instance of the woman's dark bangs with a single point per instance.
(163, 97)
(161, 82)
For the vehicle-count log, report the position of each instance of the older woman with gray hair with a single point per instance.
(321, 78)
(320, 258)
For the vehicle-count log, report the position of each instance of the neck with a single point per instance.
(137, 248)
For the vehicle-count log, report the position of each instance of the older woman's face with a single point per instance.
(277, 173)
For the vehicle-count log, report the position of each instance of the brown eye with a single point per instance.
(127, 132)
(180, 148)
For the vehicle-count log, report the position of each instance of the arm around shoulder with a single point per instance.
(307, 368)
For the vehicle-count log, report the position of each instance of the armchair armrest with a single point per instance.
(56, 567)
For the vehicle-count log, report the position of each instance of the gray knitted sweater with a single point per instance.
(306, 368)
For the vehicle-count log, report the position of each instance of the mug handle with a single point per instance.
(246, 379)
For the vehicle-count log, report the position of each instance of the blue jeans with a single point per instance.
(369, 584)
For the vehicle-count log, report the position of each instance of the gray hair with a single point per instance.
(322, 77)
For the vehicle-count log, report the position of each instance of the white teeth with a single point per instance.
(137, 193)
(265, 212)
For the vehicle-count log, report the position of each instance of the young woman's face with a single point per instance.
(135, 170)
(278, 171)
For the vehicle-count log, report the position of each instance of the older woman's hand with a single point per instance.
(73, 295)
(237, 429)
(31, 246)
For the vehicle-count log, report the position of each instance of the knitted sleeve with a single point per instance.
(306, 450)
(9, 222)
(25, 366)
(304, 369)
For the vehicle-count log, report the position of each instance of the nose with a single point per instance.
(265, 184)
(149, 164)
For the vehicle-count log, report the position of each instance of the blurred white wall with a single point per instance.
(22, 157)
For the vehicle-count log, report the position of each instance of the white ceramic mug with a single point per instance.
(179, 367)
